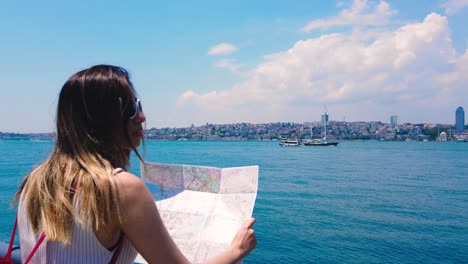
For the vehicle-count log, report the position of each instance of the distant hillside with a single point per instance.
(28, 136)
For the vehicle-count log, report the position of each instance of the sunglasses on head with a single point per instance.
(133, 107)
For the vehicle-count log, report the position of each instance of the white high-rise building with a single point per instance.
(460, 119)
(394, 121)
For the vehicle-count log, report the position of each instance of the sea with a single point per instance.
(359, 202)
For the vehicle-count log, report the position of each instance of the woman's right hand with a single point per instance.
(244, 241)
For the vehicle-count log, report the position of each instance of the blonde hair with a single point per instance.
(76, 182)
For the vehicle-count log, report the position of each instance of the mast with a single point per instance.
(325, 136)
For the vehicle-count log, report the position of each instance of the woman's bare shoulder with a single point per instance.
(130, 187)
(126, 177)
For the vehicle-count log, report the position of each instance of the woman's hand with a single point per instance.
(244, 241)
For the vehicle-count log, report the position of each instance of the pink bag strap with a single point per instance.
(12, 240)
(36, 247)
(113, 260)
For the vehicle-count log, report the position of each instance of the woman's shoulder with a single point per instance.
(130, 187)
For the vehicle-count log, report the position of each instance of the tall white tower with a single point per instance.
(394, 119)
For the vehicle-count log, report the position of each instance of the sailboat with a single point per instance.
(324, 141)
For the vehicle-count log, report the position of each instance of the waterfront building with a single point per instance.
(394, 121)
(459, 119)
(442, 137)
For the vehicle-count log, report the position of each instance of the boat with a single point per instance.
(290, 143)
(320, 142)
(324, 141)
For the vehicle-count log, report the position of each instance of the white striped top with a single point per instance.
(84, 246)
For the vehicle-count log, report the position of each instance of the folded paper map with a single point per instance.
(202, 207)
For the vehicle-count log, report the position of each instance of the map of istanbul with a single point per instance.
(202, 207)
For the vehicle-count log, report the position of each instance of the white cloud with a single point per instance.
(361, 13)
(457, 78)
(453, 6)
(413, 69)
(222, 49)
(231, 64)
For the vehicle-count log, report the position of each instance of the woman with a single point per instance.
(81, 198)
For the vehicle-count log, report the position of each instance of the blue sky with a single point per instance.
(197, 62)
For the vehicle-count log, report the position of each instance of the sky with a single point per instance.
(218, 62)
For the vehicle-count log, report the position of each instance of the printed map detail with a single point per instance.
(202, 207)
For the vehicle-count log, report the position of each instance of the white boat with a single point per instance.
(289, 143)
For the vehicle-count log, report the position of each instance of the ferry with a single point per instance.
(290, 143)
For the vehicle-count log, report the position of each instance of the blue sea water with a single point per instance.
(360, 202)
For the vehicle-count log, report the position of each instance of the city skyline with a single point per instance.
(315, 123)
(338, 130)
(257, 62)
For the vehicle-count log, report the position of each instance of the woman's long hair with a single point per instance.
(76, 181)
